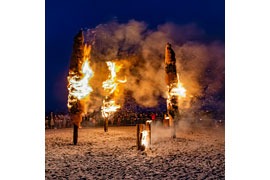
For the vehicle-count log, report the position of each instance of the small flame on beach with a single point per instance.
(144, 138)
(110, 85)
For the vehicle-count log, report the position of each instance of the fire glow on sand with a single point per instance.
(134, 90)
(98, 87)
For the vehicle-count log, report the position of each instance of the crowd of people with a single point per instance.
(57, 121)
(131, 118)
(121, 118)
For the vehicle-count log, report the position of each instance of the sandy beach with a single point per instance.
(198, 152)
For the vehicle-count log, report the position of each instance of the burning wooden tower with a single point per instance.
(78, 82)
(109, 106)
(172, 82)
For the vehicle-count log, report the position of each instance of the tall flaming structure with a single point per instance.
(78, 82)
(175, 89)
(110, 86)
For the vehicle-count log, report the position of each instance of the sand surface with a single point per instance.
(196, 153)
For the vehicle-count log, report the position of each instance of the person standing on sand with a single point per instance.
(153, 117)
(64, 121)
(46, 122)
(52, 121)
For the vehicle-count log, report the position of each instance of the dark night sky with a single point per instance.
(65, 18)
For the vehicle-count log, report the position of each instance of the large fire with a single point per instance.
(78, 82)
(110, 85)
(177, 90)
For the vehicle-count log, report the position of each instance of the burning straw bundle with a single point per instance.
(175, 89)
(110, 85)
(78, 82)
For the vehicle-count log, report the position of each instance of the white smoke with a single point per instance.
(141, 50)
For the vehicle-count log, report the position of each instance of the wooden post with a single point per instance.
(142, 147)
(176, 120)
(75, 107)
(173, 126)
(76, 119)
(148, 128)
(171, 81)
(138, 135)
(150, 132)
(106, 125)
(75, 134)
(174, 131)
(139, 130)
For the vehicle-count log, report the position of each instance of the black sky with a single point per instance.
(65, 18)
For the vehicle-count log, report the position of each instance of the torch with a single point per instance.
(175, 88)
(144, 135)
(78, 82)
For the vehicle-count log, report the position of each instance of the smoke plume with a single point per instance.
(140, 50)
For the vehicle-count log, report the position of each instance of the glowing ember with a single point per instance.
(110, 85)
(78, 83)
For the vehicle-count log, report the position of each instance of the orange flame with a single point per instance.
(109, 107)
(144, 138)
(177, 90)
(78, 85)
(110, 85)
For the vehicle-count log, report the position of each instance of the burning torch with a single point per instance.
(110, 85)
(175, 88)
(78, 82)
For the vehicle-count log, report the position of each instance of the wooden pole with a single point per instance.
(148, 128)
(75, 134)
(142, 147)
(171, 81)
(106, 125)
(76, 61)
(139, 135)
(174, 131)
(150, 132)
